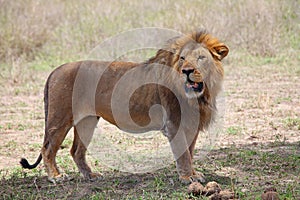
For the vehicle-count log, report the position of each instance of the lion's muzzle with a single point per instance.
(193, 82)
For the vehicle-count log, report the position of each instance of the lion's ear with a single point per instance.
(220, 51)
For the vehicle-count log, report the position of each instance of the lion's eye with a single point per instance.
(201, 57)
(182, 58)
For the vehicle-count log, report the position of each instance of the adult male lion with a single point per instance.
(184, 78)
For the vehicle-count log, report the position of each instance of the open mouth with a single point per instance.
(193, 86)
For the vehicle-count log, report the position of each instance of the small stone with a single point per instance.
(215, 196)
(270, 194)
(226, 194)
(211, 188)
(195, 189)
(222, 195)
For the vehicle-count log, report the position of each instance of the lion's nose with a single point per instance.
(187, 71)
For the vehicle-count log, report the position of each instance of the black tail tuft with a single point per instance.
(26, 165)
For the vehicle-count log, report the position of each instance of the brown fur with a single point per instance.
(60, 106)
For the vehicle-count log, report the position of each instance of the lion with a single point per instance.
(186, 77)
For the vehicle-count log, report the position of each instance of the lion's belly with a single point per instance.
(139, 112)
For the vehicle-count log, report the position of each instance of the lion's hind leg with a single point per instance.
(83, 133)
(49, 150)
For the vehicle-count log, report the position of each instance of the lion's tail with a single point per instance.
(26, 165)
(24, 161)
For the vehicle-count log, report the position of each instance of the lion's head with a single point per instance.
(197, 57)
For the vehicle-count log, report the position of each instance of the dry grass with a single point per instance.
(62, 30)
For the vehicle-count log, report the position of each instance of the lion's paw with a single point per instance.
(95, 176)
(185, 180)
(60, 178)
(196, 177)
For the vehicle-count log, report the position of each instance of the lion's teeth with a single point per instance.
(189, 85)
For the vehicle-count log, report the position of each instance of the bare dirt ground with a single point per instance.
(262, 107)
(261, 104)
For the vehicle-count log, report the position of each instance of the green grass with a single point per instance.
(248, 172)
(292, 123)
(234, 130)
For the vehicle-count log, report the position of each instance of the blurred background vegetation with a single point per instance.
(39, 35)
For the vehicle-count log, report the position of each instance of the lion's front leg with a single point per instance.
(196, 175)
(182, 148)
(184, 165)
